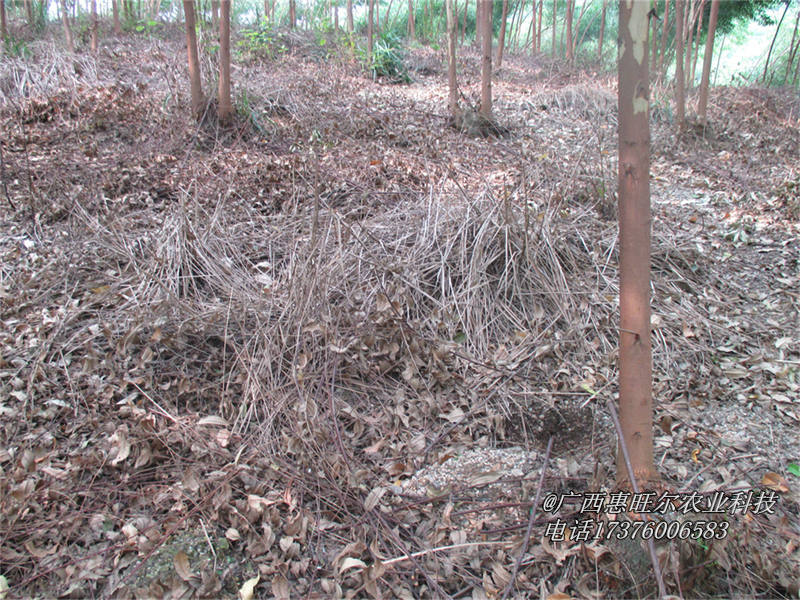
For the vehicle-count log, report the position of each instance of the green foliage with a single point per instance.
(262, 41)
(16, 48)
(388, 59)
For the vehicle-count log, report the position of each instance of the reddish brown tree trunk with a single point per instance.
(712, 27)
(292, 14)
(486, 59)
(350, 16)
(635, 360)
(501, 38)
(680, 95)
(687, 68)
(697, 40)
(94, 25)
(3, 25)
(370, 17)
(533, 26)
(539, 27)
(411, 32)
(555, 35)
(792, 48)
(464, 22)
(225, 109)
(67, 29)
(193, 60)
(772, 44)
(115, 10)
(215, 14)
(29, 11)
(568, 26)
(452, 83)
(602, 29)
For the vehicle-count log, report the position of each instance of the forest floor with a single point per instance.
(320, 353)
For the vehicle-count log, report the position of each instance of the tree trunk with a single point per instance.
(664, 30)
(464, 22)
(501, 38)
(292, 14)
(412, 34)
(486, 60)
(680, 95)
(568, 26)
(452, 83)
(635, 359)
(602, 30)
(214, 14)
(350, 16)
(377, 17)
(533, 26)
(115, 10)
(386, 16)
(712, 27)
(769, 53)
(369, 31)
(94, 26)
(653, 39)
(555, 35)
(697, 40)
(687, 68)
(67, 29)
(29, 11)
(3, 26)
(193, 59)
(225, 108)
(792, 48)
(539, 28)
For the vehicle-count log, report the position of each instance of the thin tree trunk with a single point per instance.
(576, 40)
(712, 27)
(653, 41)
(411, 33)
(29, 12)
(602, 30)
(555, 35)
(215, 14)
(386, 16)
(67, 29)
(3, 26)
(369, 31)
(664, 30)
(539, 27)
(792, 48)
(513, 39)
(225, 109)
(193, 60)
(377, 17)
(680, 94)
(292, 14)
(501, 39)
(486, 60)
(452, 83)
(635, 355)
(350, 16)
(94, 25)
(689, 40)
(697, 40)
(115, 10)
(769, 53)
(464, 22)
(533, 26)
(568, 27)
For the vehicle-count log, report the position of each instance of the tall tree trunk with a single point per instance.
(635, 358)
(386, 15)
(653, 38)
(533, 26)
(267, 17)
(697, 40)
(452, 83)
(67, 29)
(193, 60)
(115, 10)
(501, 38)
(712, 27)
(680, 94)
(539, 27)
(486, 60)
(568, 26)
(29, 11)
(3, 25)
(769, 53)
(378, 17)
(369, 31)
(292, 14)
(336, 16)
(464, 22)
(687, 68)
(664, 30)
(215, 14)
(513, 39)
(94, 25)
(350, 16)
(412, 34)
(555, 35)
(792, 48)
(602, 30)
(225, 109)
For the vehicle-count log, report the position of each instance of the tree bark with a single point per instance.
(635, 358)
(539, 27)
(687, 68)
(555, 35)
(602, 30)
(193, 60)
(67, 29)
(680, 94)
(486, 60)
(29, 11)
(115, 10)
(769, 53)
(225, 108)
(3, 25)
(464, 22)
(411, 29)
(215, 14)
(350, 16)
(501, 39)
(697, 40)
(452, 83)
(94, 25)
(792, 48)
(369, 31)
(292, 14)
(533, 26)
(568, 27)
(712, 27)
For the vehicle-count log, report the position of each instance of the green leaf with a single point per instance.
(794, 469)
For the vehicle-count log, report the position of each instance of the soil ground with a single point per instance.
(327, 346)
